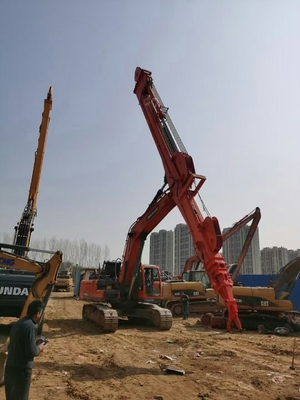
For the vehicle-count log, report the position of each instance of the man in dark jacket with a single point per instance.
(22, 349)
(185, 305)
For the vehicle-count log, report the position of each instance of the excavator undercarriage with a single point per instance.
(102, 316)
(107, 318)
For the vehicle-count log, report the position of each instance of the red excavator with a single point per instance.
(127, 288)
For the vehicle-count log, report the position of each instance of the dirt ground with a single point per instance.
(80, 363)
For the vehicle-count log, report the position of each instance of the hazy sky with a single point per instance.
(228, 70)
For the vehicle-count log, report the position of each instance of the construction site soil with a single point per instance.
(130, 364)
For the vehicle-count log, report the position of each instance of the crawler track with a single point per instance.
(104, 317)
(195, 307)
(161, 317)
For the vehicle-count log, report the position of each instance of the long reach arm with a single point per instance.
(24, 228)
(255, 216)
(181, 177)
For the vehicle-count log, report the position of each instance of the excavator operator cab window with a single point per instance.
(204, 279)
(200, 276)
(197, 276)
(152, 282)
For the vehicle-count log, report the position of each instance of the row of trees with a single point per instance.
(76, 252)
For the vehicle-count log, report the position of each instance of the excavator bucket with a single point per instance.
(286, 279)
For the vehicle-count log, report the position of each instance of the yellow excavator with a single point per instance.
(64, 281)
(268, 306)
(24, 280)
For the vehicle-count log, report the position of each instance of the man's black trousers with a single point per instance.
(17, 383)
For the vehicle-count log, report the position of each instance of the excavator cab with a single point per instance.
(150, 288)
(197, 276)
(286, 279)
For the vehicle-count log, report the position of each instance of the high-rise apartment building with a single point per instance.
(274, 258)
(292, 254)
(232, 249)
(161, 250)
(170, 250)
(183, 247)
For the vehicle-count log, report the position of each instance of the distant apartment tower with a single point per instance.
(183, 247)
(272, 259)
(232, 249)
(293, 254)
(161, 250)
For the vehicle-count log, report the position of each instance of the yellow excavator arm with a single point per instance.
(41, 289)
(46, 272)
(24, 227)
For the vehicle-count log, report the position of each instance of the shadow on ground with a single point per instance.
(89, 372)
(70, 327)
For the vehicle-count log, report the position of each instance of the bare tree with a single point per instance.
(8, 238)
(66, 249)
(75, 252)
(106, 252)
(35, 244)
(81, 253)
(83, 248)
(52, 243)
(98, 258)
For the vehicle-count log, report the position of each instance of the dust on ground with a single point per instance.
(81, 363)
